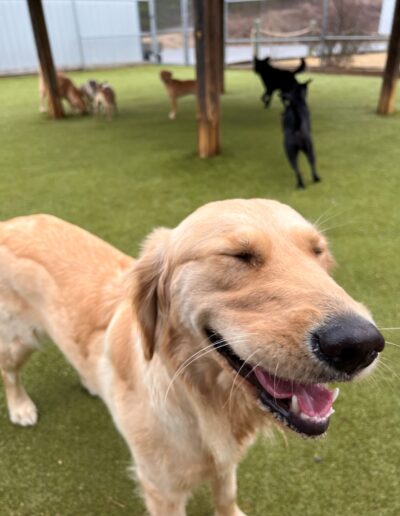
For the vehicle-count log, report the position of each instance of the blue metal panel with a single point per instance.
(110, 31)
(63, 33)
(17, 49)
(83, 33)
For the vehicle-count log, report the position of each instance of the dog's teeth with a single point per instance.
(332, 411)
(316, 419)
(295, 405)
(335, 394)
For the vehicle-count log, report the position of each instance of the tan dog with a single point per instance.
(67, 90)
(176, 89)
(225, 324)
(105, 100)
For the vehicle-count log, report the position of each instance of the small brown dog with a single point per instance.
(105, 100)
(68, 91)
(176, 88)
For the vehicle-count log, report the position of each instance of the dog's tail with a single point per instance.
(302, 66)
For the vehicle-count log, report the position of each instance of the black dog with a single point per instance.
(275, 78)
(297, 130)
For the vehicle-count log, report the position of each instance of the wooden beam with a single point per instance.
(207, 32)
(387, 100)
(45, 58)
(222, 36)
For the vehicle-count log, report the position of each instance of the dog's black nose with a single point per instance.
(349, 343)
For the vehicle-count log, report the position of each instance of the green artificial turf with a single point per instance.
(123, 178)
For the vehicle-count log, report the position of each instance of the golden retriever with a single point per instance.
(67, 90)
(224, 325)
(176, 89)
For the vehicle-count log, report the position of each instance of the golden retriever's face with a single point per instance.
(248, 282)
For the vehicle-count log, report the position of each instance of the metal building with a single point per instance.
(83, 33)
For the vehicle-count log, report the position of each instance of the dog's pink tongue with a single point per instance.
(315, 400)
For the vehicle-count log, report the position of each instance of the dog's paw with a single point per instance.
(235, 511)
(317, 179)
(172, 115)
(24, 413)
(238, 512)
(300, 186)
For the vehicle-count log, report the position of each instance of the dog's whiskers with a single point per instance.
(348, 223)
(236, 377)
(388, 368)
(392, 344)
(275, 376)
(321, 220)
(196, 356)
(191, 359)
(247, 375)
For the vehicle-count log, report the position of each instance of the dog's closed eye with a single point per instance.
(317, 250)
(245, 256)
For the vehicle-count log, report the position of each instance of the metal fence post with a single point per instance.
(185, 30)
(78, 33)
(256, 35)
(324, 28)
(153, 29)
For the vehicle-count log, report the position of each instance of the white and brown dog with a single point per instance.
(105, 100)
(225, 324)
(88, 90)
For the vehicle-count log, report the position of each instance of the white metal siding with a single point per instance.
(386, 19)
(83, 33)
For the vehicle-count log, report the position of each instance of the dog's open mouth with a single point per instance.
(305, 408)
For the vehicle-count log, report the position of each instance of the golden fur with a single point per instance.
(67, 90)
(129, 326)
(176, 89)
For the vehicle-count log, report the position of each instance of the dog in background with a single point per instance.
(297, 130)
(176, 89)
(67, 90)
(88, 90)
(275, 78)
(105, 100)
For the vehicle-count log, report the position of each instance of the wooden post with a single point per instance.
(387, 98)
(222, 35)
(207, 30)
(45, 57)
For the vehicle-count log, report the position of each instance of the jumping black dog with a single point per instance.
(275, 78)
(297, 130)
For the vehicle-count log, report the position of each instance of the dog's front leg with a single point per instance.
(172, 114)
(292, 155)
(309, 151)
(224, 491)
(159, 503)
(42, 101)
(266, 98)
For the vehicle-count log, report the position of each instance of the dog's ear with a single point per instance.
(149, 275)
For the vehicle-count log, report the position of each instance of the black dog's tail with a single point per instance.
(302, 66)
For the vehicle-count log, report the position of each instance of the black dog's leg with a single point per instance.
(266, 98)
(292, 154)
(309, 151)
